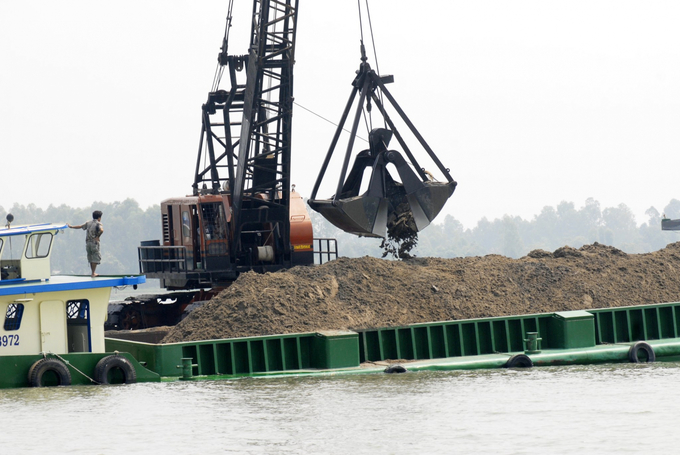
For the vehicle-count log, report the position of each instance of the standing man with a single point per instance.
(93, 230)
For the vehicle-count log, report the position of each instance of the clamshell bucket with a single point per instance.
(409, 203)
(385, 201)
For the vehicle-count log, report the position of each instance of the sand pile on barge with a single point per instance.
(368, 292)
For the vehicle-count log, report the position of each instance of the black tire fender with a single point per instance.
(519, 361)
(395, 369)
(42, 366)
(634, 352)
(110, 362)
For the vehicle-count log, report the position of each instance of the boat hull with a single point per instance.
(81, 366)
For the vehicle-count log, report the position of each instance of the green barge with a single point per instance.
(53, 334)
(625, 334)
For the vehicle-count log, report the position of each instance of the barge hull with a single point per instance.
(564, 338)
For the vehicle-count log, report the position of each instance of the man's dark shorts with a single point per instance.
(93, 254)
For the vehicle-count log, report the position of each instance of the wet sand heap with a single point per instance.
(368, 292)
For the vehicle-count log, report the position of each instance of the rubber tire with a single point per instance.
(395, 369)
(42, 366)
(641, 345)
(519, 361)
(108, 363)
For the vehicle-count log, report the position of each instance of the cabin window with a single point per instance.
(77, 309)
(39, 245)
(13, 316)
(14, 248)
(78, 325)
(186, 224)
(214, 221)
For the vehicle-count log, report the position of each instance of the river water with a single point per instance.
(618, 409)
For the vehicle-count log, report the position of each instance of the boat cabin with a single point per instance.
(25, 252)
(44, 313)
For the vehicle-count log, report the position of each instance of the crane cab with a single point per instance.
(198, 248)
(199, 224)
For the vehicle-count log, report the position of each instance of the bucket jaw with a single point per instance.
(362, 215)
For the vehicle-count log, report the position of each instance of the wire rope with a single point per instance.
(375, 55)
(367, 118)
(361, 33)
(361, 25)
(370, 26)
(225, 44)
(325, 119)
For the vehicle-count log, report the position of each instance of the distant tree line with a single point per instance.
(514, 237)
(126, 225)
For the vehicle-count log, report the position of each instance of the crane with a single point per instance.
(242, 214)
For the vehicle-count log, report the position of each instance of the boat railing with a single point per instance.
(162, 259)
(325, 250)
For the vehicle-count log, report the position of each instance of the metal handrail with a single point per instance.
(155, 259)
(325, 250)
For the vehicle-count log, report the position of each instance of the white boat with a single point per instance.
(53, 332)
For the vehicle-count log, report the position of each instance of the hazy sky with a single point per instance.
(529, 103)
